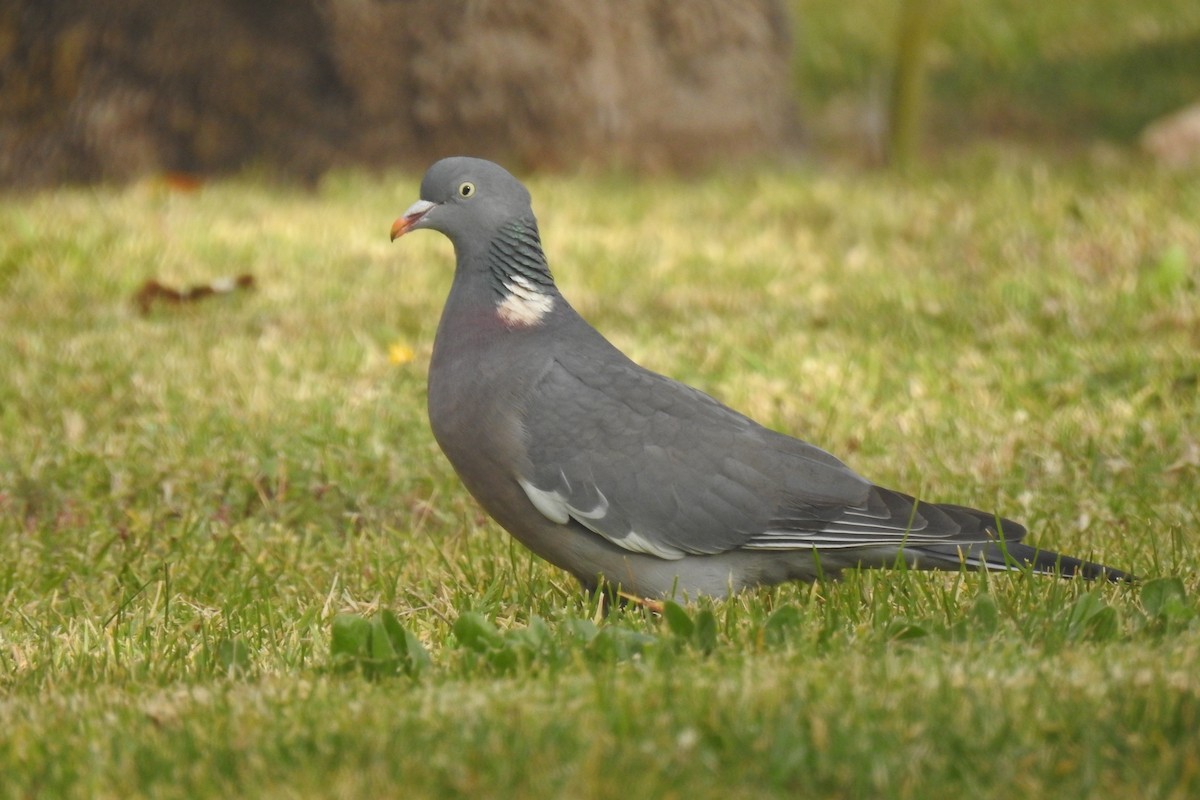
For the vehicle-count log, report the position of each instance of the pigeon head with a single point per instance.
(486, 214)
(465, 198)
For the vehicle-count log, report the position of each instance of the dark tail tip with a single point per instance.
(1051, 563)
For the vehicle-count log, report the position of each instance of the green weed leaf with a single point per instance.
(476, 632)
(706, 630)
(379, 647)
(678, 620)
(780, 625)
(1092, 618)
(406, 648)
(614, 643)
(1163, 597)
(984, 615)
(350, 640)
(902, 630)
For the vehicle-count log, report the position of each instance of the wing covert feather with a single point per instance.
(656, 466)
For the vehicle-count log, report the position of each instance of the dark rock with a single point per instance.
(115, 90)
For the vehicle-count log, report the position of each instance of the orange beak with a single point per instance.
(411, 217)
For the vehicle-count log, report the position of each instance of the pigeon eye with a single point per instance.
(466, 189)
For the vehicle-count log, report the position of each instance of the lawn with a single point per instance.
(234, 563)
(192, 496)
(1052, 75)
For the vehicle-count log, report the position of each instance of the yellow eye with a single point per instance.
(466, 189)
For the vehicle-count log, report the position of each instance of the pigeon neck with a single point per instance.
(520, 278)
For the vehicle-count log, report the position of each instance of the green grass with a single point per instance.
(1053, 74)
(190, 498)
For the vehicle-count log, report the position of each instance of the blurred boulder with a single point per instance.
(1174, 140)
(115, 90)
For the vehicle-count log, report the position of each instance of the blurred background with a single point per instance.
(117, 90)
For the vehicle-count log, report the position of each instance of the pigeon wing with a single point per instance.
(658, 467)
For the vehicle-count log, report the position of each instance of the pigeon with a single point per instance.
(627, 479)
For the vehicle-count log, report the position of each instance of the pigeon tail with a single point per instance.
(1015, 557)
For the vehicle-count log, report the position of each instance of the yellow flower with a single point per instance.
(400, 353)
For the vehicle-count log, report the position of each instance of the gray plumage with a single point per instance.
(618, 474)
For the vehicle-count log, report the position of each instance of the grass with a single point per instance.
(234, 563)
(192, 497)
(1066, 76)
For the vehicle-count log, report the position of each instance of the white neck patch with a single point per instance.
(524, 303)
